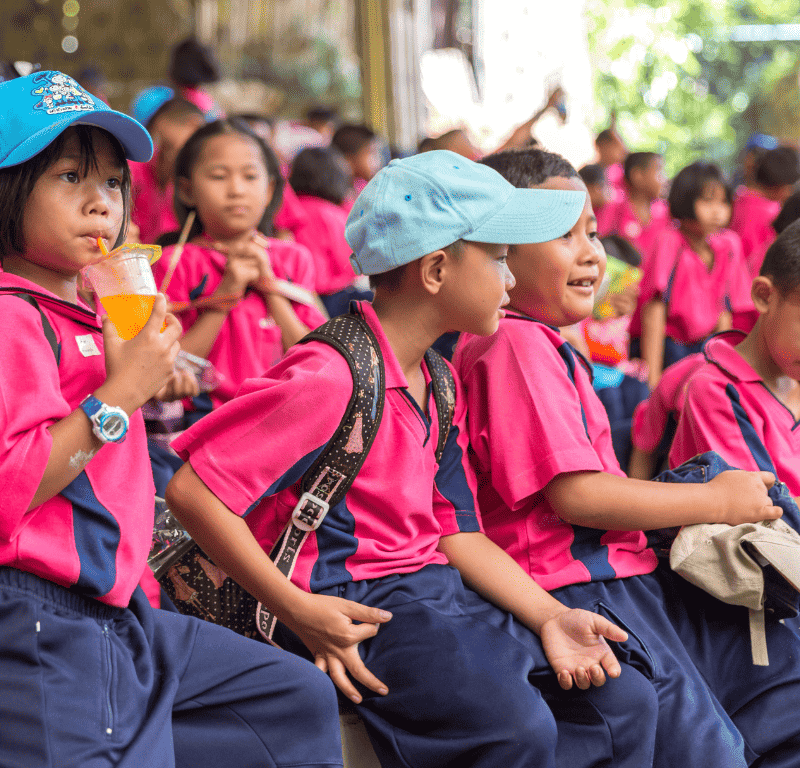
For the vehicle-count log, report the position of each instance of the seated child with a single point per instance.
(231, 315)
(321, 179)
(192, 65)
(755, 208)
(95, 676)
(170, 125)
(744, 402)
(362, 150)
(552, 494)
(689, 279)
(638, 213)
(443, 675)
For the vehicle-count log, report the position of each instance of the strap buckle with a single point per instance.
(309, 512)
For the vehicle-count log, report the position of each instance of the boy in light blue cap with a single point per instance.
(455, 656)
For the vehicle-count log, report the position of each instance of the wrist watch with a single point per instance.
(109, 423)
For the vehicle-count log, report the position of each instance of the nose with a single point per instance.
(98, 202)
(236, 185)
(510, 280)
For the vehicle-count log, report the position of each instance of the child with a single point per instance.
(600, 191)
(689, 279)
(552, 494)
(443, 676)
(170, 124)
(638, 213)
(99, 677)
(231, 179)
(744, 403)
(756, 207)
(192, 65)
(611, 154)
(321, 179)
(361, 148)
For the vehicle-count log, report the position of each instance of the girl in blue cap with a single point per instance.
(98, 677)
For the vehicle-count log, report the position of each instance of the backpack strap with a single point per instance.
(49, 333)
(444, 395)
(329, 478)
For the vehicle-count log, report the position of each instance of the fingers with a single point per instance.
(338, 670)
(608, 630)
(768, 478)
(565, 679)
(363, 613)
(611, 665)
(772, 512)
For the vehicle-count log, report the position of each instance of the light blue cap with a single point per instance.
(37, 108)
(147, 102)
(419, 204)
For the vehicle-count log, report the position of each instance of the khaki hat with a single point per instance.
(728, 562)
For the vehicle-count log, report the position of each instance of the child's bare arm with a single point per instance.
(640, 464)
(573, 639)
(654, 325)
(610, 502)
(135, 371)
(325, 624)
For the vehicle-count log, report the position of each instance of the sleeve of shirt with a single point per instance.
(265, 439)
(454, 500)
(713, 419)
(526, 420)
(30, 402)
(657, 267)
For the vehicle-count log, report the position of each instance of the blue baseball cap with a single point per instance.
(41, 106)
(147, 102)
(419, 204)
(761, 141)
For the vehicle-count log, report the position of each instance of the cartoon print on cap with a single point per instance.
(61, 94)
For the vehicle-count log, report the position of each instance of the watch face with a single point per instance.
(113, 426)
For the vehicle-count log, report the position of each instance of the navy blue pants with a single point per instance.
(762, 701)
(85, 684)
(693, 728)
(470, 687)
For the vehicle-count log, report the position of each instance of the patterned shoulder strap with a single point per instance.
(444, 393)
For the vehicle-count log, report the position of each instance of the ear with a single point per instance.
(185, 192)
(763, 293)
(433, 271)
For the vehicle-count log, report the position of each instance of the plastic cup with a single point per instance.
(125, 286)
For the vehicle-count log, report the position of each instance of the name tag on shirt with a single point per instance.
(87, 345)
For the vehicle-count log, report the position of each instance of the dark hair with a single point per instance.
(390, 281)
(529, 167)
(622, 249)
(192, 63)
(18, 181)
(778, 167)
(688, 187)
(187, 158)
(789, 212)
(351, 139)
(605, 136)
(640, 160)
(782, 260)
(322, 114)
(427, 145)
(321, 172)
(593, 174)
(176, 109)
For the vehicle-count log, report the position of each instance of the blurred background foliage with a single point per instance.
(686, 78)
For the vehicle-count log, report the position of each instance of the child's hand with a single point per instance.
(181, 384)
(243, 268)
(741, 497)
(137, 369)
(574, 642)
(326, 625)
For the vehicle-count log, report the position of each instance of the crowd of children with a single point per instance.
(485, 589)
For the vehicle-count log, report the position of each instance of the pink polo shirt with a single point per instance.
(95, 535)
(615, 176)
(651, 416)
(728, 409)
(618, 218)
(249, 341)
(323, 235)
(695, 296)
(151, 208)
(290, 216)
(752, 219)
(533, 415)
(252, 452)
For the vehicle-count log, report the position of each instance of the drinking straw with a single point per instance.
(176, 254)
(101, 244)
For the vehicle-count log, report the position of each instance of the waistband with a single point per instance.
(58, 596)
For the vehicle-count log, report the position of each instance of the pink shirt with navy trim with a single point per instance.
(695, 296)
(652, 415)
(252, 453)
(728, 409)
(323, 235)
(249, 341)
(752, 219)
(617, 217)
(95, 535)
(533, 415)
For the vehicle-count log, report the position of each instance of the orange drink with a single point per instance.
(128, 312)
